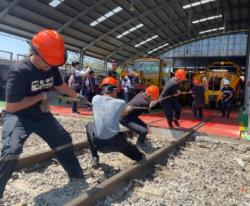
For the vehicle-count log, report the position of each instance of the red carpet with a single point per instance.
(217, 126)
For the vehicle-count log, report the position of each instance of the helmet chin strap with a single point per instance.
(108, 89)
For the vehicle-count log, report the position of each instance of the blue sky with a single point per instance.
(18, 45)
(13, 44)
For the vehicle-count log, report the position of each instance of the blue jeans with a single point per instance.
(17, 129)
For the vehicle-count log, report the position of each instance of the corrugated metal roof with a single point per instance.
(165, 18)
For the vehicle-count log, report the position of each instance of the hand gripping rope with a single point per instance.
(86, 102)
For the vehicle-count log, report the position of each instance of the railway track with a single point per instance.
(141, 169)
(41, 156)
(108, 183)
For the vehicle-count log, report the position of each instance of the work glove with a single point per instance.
(49, 96)
(83, 99)
(44, 106)
(153, 103)
(127, 110)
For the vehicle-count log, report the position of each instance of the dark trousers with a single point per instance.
(128, 95)
(84, 91)
(90, 96)
(226, 107)
(172, 110)
(118, 143)
(136, 125)
(74, 104)
(15, 132)
(197, 110)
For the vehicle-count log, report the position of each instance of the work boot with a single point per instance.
(78, 175)
(177, 124)
(143, 158)
(223, 114)
(95, 162)
(141, 139)
(170, 124)
(141, 143)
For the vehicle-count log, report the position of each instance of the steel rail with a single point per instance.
(30, 160)
(38, 157)
(140, 169)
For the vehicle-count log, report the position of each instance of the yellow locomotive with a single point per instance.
(213, 78)
(152, 71)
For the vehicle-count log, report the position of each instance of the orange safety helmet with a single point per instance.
(49, 45)
(196, 82)
(180, 74)
(153, 92)
(109, 81)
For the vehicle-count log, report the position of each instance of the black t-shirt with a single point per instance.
(227, 91)
(24, 80)
(139, 100)
(170, 88)
(199, 93)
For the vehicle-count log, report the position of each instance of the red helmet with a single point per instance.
(180, 74)
(196, 82)
(153, 92)
(50, 47)
(109, 81)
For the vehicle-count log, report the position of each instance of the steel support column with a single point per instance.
(105, 65)
(81, 58)
(247, 78)
(247, 82)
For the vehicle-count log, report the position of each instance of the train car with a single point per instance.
(212, 79)
(152, 71)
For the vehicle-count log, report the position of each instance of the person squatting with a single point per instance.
(131, 120)
(104, 133)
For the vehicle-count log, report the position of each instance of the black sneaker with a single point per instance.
(177, 124)
(77, 112)
(78, 175)
(141, 139)
(170, 126)
(141, 143)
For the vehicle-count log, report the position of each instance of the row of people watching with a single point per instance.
(85, 82)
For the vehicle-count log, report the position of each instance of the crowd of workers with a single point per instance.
(85, 82)
(27, 107)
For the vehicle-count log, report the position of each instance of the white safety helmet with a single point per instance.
(226, 82)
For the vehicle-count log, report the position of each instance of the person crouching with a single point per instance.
(132, 120)
(104, 133)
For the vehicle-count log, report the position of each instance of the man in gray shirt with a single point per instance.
(104, 133)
